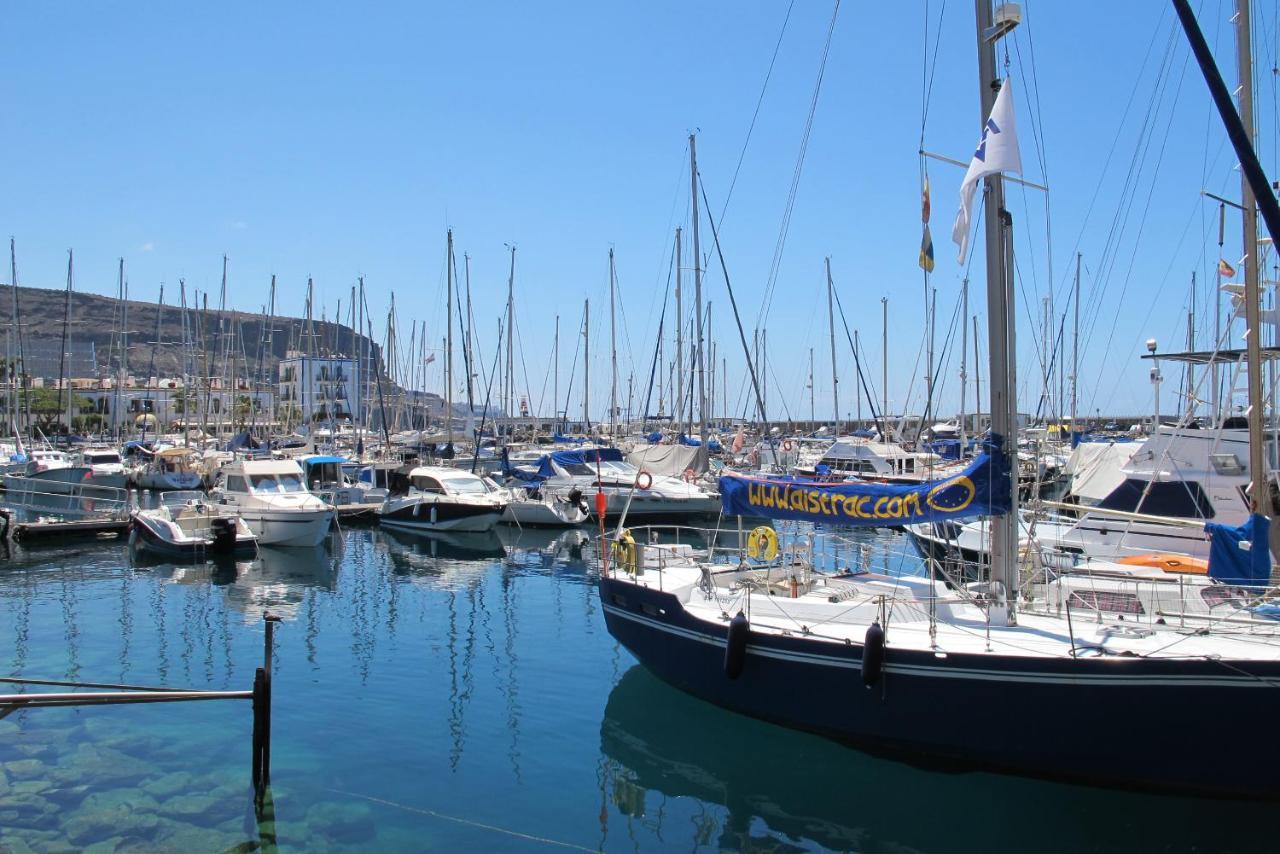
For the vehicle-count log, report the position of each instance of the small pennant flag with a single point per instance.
(925, 207)
(431, 357)
(1224, 269)
(926, 250)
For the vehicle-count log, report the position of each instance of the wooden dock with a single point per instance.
(21, 532)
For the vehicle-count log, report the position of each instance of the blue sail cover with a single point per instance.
(1240, 555)
(586, 456)
(981, 489)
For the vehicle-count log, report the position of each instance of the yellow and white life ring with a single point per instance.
(623, 550)
(762, 543)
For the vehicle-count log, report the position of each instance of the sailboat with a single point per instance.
(907, 667)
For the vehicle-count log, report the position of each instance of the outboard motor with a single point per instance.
(575, 497)
(224, 535)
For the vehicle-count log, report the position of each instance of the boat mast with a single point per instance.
(1001, 326)
(555, 377)
(1252, 291)
(467, 354)
(677, 404)
(586, 366)
(831, 332)
(812, 421)
(884, 367)
(613, 351)
(63, 382)
(697, 291)
(964, 357)
(1075, 347)
(448, 346)
(510, 383)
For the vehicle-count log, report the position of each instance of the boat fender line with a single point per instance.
(644, 480)
(735, 648)
(873, 655)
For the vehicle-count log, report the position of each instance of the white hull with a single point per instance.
(167, 481)
(543, 514)
(288, 527)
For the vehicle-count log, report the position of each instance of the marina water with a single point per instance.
(463, 694)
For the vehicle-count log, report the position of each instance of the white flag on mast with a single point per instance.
(997, 152)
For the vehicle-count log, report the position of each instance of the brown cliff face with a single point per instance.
(95, 318)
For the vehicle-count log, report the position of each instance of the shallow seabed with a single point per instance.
(463, 693)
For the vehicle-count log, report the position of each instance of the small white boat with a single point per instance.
(445, 499)
(271, 496)
(186, 525)
(105, 467)
(540, 509)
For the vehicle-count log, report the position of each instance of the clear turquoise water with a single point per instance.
(466, 696)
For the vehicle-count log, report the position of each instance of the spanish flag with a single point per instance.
(926, 251)
(1224, 269)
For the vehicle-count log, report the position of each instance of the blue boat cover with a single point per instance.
(560, 438)
(586, 456)
(981, 489)
(863, 433)
(317, 460)
(948, 449)
(1240, 555)
(655, 437)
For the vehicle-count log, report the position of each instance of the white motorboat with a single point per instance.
(105, 467)
(272, 497)
(187, 525)
(532, 508)
(445, 499)
(645, 497)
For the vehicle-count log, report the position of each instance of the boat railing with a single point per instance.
(78, 499)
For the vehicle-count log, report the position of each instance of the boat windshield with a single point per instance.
(616, 468)
(290, 482)
(101, 459)
(465, 486)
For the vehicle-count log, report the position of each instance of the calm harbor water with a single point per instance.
(463, 693)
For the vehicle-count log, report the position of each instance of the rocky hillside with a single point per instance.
(93, 319)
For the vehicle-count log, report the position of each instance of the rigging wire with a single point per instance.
(780, 246)
(756, 114)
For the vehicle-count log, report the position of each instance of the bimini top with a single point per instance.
(263, 467)
(585, 456)
(320, 459)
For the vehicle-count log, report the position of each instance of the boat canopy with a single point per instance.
(981, 489)
(586, 456)
(320, 460)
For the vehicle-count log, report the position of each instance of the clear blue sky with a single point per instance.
(333, 140)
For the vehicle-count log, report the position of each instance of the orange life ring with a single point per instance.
(648, 480)
(689, 476)
(786, 445)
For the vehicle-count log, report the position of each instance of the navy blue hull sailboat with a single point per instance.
(978, 676)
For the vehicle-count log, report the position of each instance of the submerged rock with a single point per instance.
(25, 769)
(341, 822)
(168, 785)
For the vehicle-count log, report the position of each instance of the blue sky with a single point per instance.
(334, 141)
